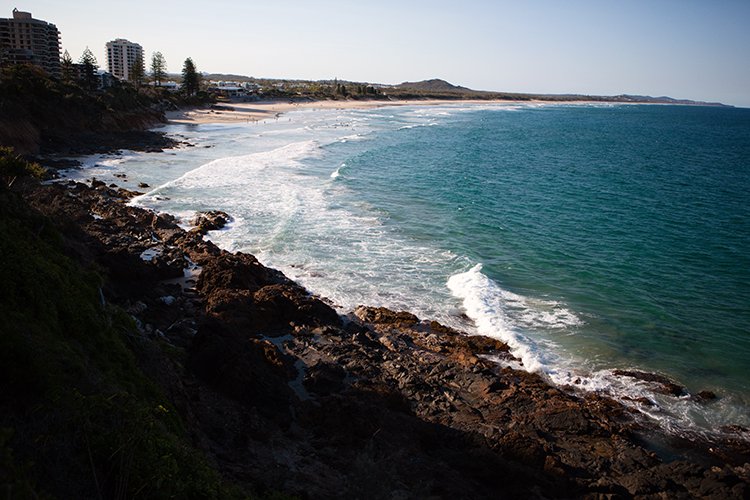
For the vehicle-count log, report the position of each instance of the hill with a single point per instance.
(434, 85)
(440, 89)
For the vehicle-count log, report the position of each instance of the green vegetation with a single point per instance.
(12, 166)
(78, 419)
(39, 113)
(158, 68)
(90, 66)
(135, 74)
(190, 78)
(67, 69)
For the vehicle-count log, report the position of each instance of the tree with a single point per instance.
(67, 70)
(88, 77)
(190, 78)
(136, 71)
(158, 67)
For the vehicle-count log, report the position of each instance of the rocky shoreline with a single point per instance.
(281, 392)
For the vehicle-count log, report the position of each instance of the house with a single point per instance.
(171, 85)
(227, 89)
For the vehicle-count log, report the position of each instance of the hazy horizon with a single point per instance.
(682, 49)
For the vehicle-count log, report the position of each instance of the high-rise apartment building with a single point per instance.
(24, 39)
(122, 55)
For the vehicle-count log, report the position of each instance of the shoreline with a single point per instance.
(258, 111)
(395, 352)
(657, 383)
(373, 368)
(250, 112)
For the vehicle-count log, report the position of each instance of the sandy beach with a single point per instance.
(233, 112)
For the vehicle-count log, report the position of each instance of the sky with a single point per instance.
(680, 48)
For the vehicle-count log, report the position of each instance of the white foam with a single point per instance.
(495, 314)
(430, 123)
(489, 306)
(353, 137)
(297, 215)
(680, 415)
(233, 171)
(337, 173)
(107, 160)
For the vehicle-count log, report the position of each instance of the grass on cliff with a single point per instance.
(38, 112)
(78, 419)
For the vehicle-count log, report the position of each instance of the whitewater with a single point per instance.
(528, 223)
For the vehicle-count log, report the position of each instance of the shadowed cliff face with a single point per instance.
(281, 392)
(39, 115)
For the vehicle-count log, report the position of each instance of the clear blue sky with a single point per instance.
(681, 48)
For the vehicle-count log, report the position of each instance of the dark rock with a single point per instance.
(236, 271)
(247, 370)
(79, 143)
(324, 378)
(282, 304)
(704, 396)
(382, 315)
(210, 221)
(58, 163)
(282, 396)
(660, 383)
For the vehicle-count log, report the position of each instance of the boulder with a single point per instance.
(209, 221)
(245, 369)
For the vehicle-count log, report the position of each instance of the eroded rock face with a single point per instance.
(658, 382)
(248, 295)
(283, 393)
(247, 370)
(210, 221)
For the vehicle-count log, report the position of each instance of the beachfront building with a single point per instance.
(122, 55)
(227, 89)
(25, 40)
(171, 85)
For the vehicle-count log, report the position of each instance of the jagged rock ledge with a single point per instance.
(279, 390)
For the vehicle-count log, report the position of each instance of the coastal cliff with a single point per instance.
(152, 363)
(39, 115)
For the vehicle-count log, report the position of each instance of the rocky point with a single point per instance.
(282, 391)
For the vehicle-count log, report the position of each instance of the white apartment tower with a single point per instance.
(121, 55)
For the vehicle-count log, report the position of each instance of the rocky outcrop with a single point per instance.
(40, 115)
(284, 393)
(210, 221)
(659, 383)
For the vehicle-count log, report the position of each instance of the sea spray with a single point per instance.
(485, 303)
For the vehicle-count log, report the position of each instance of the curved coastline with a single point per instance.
(679, 411)
(257, 342)
(259, 111)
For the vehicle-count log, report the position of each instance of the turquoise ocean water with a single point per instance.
(588, 237)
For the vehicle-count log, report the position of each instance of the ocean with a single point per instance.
(589, 237)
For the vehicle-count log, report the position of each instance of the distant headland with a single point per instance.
(435, 88)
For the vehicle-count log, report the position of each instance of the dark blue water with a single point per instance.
(587, 237)
(637, 218)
